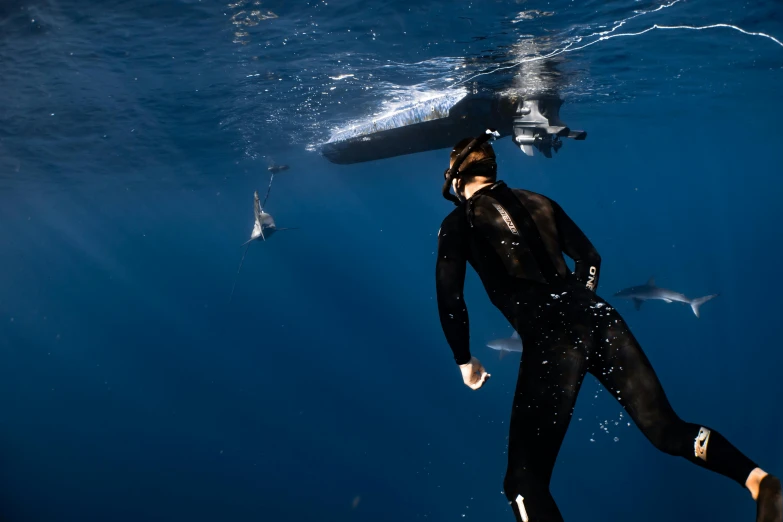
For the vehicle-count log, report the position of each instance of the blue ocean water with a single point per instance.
(132, 137)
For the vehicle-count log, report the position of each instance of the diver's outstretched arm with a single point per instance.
(449, 282)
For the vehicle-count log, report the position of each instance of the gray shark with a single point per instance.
(263, 227)
(648, 292)
(507, 345)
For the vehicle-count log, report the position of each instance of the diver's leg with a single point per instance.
(622, 367)
(550, 375)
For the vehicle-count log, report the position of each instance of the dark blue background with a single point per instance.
(130, 389)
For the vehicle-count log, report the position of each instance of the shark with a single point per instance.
(507, 345)
(649, 291)
(263, 227)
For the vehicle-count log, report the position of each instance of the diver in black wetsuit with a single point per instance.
(515, 240)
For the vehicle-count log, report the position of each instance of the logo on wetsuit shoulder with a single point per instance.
(591, 278)
(506, 218)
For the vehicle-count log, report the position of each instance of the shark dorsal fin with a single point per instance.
(651, 281)
(515, 335)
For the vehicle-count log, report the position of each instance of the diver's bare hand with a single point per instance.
(473, 374)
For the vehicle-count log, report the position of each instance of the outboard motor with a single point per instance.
(537, 124)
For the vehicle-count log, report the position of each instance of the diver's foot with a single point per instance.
(769, 505)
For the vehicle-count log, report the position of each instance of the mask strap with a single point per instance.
(453, 171)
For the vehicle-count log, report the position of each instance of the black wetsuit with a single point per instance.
(515, 241)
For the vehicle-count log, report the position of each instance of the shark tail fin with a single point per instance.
(696, 303)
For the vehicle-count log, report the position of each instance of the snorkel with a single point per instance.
(453, 172)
